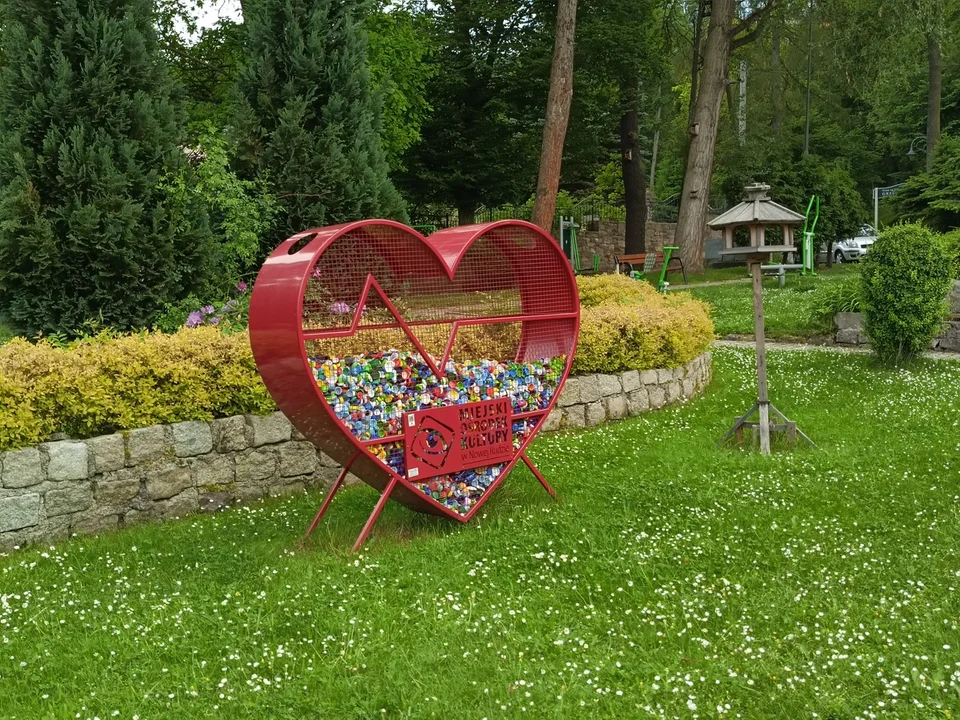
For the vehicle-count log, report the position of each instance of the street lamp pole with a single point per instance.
(806, 132)
(911, 152)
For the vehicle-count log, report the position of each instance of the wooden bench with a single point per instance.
(648, 263)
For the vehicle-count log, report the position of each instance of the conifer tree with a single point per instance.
(87, 135)
(307, 117)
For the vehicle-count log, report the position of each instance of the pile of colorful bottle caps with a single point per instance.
(521, 429)
(370, 393)
(391, 455)
(461, 490)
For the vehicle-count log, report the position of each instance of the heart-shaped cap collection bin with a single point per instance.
(424, 366)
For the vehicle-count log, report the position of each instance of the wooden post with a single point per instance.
(762, 397)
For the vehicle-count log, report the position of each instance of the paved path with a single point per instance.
(748, 344)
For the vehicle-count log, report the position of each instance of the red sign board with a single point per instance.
(443, 440)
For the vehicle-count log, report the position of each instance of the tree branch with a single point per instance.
(757, 19)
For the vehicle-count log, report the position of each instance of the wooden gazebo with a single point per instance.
(758, 213)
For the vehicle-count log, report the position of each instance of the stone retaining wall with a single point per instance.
(607, 241)
(589, 400)
(53, 490)
(850, 332)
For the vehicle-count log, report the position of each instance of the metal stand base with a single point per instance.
(538, 475)
(371, 521)
(764, 427)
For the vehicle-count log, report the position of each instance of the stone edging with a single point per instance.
(589, 400)
(53, 490)
(850, 332)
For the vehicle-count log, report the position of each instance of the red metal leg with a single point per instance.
(536, 473)
(333, 491)
(374, 515)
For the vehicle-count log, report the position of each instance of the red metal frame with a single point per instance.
(549, 321)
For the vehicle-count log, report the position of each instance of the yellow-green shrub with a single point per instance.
(19, 423)
(596, 290)
(105, 383)
(109, 383)
(628, 325)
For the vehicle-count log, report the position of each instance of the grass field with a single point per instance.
(671, 579)
(709, 274)
(787, 311)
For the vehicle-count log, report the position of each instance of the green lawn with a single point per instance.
(709, 274)
(787, 311)
(672, 579)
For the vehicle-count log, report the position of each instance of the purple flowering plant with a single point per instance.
(230, 316)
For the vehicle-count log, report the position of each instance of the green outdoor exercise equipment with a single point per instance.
(809, 249)
(568, 241)
(662, 280)
(650, 262)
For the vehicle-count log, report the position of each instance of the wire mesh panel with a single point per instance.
(428, 363)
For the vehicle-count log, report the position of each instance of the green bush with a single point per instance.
(88, 128)
(905, 278)
(952, 240)
(106, 383)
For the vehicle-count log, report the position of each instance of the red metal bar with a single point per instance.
(333, 491)
(372, 284)
(314, 334)
(362, 538)
(537, 474)
(521, 454)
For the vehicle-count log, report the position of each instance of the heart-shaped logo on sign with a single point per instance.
(425, 366)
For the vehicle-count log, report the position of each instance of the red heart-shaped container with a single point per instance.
(424, 366)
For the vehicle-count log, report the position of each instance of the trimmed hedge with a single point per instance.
(628, 325)
(108, 382)
(904, 279)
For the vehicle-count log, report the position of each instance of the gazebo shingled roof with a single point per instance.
(757, 212)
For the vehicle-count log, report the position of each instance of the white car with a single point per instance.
(856, 247)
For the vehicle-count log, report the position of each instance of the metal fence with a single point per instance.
(587, 214)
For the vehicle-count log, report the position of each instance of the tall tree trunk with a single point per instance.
(933, 97)
(695, 196)
(634, 180)
(777, 72)
(558, 115)
(695, 69)
(731, 110)
(466, 213)
(742, 106)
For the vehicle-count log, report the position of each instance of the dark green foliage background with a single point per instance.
(307, 118)
(87, 132)
(934, 198)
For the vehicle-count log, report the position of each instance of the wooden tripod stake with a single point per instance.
(763, 407)
(756, 214)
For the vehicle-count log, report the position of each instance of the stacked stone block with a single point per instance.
(588, 400)
(53, 490)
